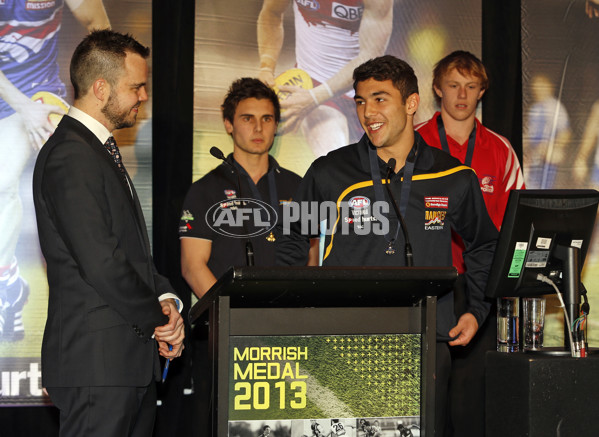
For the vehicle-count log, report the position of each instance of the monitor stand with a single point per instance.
(570, 289)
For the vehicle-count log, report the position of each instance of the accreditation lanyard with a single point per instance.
(445, 146)
(272, 192)
(379, 194)
(272, 186)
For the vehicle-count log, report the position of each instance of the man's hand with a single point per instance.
(267, 76)
(36, 119)
(464, 330)
(34, 115)
(172, 333)
(296, 106)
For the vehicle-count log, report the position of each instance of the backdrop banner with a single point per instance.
(560, 61)
(239, 38)
(37, 39)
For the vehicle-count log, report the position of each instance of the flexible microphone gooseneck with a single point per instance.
(249, 248)
(402, 223)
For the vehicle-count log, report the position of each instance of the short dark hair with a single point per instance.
(247, 88)
(467, 65)
(388, 68)
(102, 54)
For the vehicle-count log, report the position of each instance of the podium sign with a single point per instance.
(335, 349)
(308, 377)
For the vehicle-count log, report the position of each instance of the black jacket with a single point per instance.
(444, 196)
(103, 286)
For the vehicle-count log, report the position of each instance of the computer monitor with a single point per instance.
(543, 231)
(547, 232)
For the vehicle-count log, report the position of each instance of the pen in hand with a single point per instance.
(168, 361)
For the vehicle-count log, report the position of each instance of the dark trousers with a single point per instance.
(105, 411)
(442, 375)
(202, 374)
(467, 382)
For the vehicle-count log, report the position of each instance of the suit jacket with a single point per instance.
(103, 286)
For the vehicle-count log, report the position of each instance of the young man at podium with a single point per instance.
(435, 193)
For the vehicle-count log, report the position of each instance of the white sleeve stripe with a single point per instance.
(513, 172)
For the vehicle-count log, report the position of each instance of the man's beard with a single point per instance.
(117, 117)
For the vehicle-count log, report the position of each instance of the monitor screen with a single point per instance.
(538, 225)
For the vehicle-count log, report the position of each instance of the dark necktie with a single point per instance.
(112, 148)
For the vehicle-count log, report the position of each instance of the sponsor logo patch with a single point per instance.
(312, 4)
(345, 12)
(34, 5)
(434, 220)
(359, 211)
(487, 184)
(231, 194)
(359, 202)
(436, 202)
(187, 217)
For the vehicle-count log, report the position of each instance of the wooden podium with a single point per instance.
(291, 305)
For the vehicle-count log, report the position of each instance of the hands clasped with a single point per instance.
(172, 333)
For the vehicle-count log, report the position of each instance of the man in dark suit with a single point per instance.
(106, 300)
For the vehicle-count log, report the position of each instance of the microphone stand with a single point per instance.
(408, 247)
(249, 247)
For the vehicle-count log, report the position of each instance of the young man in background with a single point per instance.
(459, 82)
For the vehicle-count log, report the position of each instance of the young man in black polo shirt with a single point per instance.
(212, 239)
(251, 115)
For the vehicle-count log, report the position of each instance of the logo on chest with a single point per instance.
(435, 212)
(359, 211)
(311, 4)
(231, 194)
(487, 184)
(35, 5)
(346, 12)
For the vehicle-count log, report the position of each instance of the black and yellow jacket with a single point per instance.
(445, 196)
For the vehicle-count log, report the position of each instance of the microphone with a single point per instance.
(249, 247)
(218, 154)
(404, 229)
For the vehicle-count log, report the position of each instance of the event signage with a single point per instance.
(330, 381)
